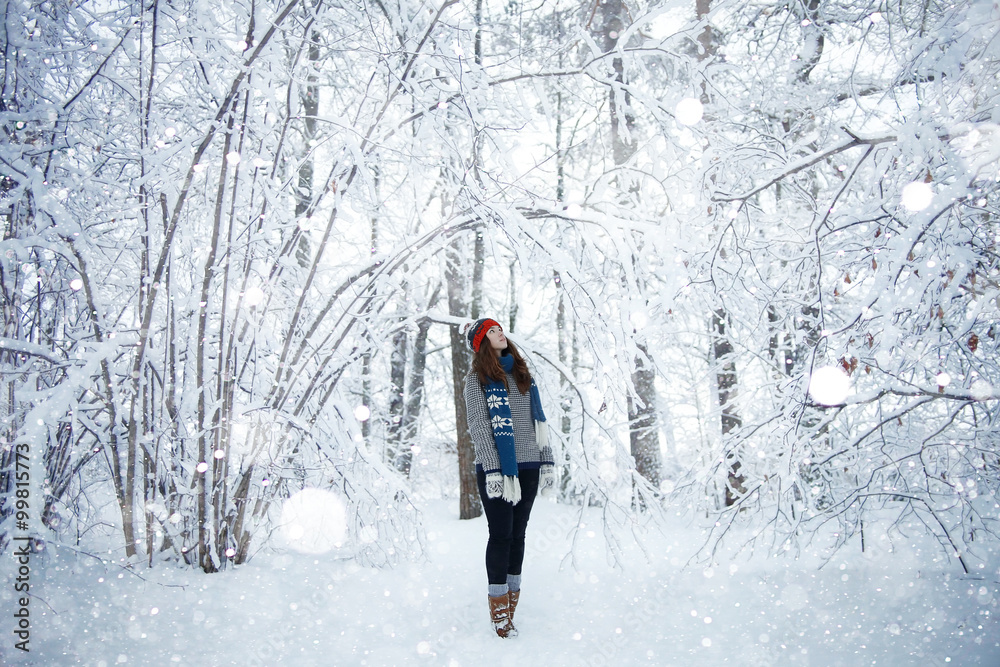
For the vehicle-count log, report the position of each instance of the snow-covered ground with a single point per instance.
(909, 607)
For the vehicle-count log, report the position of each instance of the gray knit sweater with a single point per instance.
(525, 446)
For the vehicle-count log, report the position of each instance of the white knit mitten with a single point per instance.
(547, 479)
(494, 485)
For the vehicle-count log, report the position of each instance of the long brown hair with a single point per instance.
(486, 364)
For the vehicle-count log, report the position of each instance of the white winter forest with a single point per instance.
(748, 248)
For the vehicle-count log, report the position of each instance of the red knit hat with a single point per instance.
(476, 332)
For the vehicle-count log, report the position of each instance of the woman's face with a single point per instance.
(497, 340)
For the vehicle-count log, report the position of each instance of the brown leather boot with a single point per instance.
(500, 615)
(514, 595)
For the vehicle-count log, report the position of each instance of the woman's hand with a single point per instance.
(494, 484)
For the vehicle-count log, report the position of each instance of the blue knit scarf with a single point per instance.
(498, 403)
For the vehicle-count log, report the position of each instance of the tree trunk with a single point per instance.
(468, 493)
(722, 348)
(309, 99)
(643, 436)
(461, 357)
(813, 40)
(366, 358)
(725, 377)
(225, 384)
(643, 431)
(565, 342)
(397, 380)
(203, 384)
(512, 314)
(414, 396)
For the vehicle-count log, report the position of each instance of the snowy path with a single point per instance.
(861, 609)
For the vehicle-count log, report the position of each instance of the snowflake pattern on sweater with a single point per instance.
(522, 425)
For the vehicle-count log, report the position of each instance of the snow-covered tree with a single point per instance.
(239, 244)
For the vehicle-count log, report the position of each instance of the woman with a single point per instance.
(513, 459)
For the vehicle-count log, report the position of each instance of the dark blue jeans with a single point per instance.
(505, 548)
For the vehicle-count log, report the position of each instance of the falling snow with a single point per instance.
(748, 251)
(897, 602)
